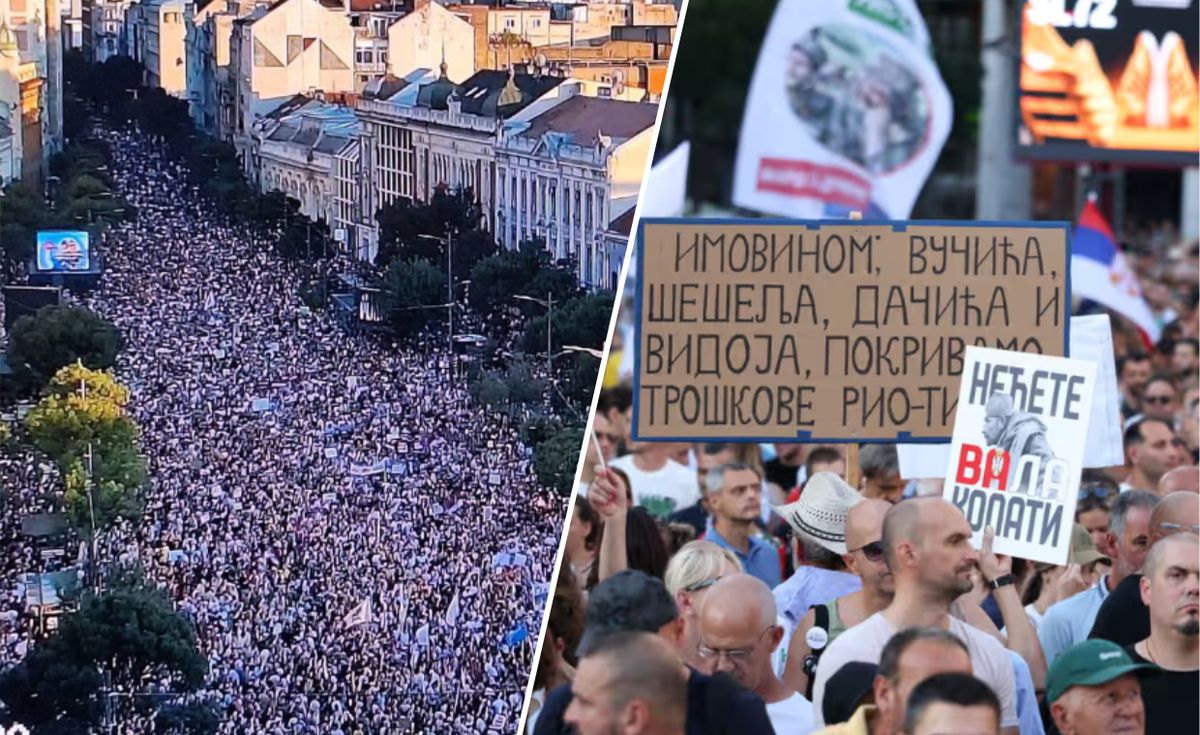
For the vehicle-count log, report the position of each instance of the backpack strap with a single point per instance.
(821, 621)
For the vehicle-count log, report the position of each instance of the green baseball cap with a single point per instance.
(1090, 664)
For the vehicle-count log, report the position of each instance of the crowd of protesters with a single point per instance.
(869, 611)
(360, 547)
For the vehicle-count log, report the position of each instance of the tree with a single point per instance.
(581, 321)
(22, 213)
(57, 336)
(540, 427)
(556, 458)
(409, 229)
(132, 634)
(414, 292)
(526, 270)
(69, 422)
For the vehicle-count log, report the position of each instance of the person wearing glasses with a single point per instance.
(691, 573)
(825, 622)
(927, 547)
(1160, 398)
(738, 633)
(1124, 618)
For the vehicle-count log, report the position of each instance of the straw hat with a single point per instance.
(820, 513)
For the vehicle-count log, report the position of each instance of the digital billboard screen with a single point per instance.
(1110, 80)
(63, 251)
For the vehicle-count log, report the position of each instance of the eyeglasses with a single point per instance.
(1095, 491)
(702, 585)
(1177, 527)
(1157, 400)
(873, 551)
(735, 655)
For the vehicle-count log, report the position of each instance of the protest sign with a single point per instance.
(832, 331)
(846, 111)
(1091, 340)
(1017, 452)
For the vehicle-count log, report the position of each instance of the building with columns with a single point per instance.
(30, 87)
(564, 175)
(419, 136)
(294, 150)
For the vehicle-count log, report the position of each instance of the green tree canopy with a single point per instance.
(132, 633)
(581, 321)
(412, 291)
(555, 459)
(409, 229)
(57, 336)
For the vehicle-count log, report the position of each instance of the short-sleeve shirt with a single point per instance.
(865, 642)
(760, 560)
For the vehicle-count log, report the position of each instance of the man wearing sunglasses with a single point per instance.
(824, 623)
(1124, 618)
(738, 633)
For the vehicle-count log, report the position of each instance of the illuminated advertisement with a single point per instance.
(63, 251)
(1110, 80)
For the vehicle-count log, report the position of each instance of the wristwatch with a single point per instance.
(1002, 581)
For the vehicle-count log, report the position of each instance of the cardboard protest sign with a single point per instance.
(1091, 340)
(832, 331)
(1017, 452)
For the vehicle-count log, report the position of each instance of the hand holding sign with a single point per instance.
(991, 564)
(608, 494)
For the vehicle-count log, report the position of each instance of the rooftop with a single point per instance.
(584, 119)
(496, 93)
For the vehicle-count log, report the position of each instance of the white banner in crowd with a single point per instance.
(665, 193)
(1091, 340)
(1017, 452)
(847, 112)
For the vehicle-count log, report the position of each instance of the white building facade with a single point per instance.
(567, 174)
(291, 47)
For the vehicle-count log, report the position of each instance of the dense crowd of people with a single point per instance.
(358, 544)
(868, 610)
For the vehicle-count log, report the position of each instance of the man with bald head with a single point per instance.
(631, 684)
(1171, 590)
(863, 557)
(1184, 479)
(1124, 618)
(927, 546)
(738, 633)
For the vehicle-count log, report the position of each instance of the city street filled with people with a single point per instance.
(327, 508)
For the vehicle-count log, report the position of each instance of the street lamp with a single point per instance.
(548, 304)
(448, 241)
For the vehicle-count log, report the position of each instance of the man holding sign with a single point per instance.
(1017, 452)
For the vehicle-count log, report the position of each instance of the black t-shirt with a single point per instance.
(1170, 699)
(743, 712)
(785, 476)
(1123, 619)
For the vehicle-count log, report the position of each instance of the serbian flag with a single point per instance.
(1100, 272)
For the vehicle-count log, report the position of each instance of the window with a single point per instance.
(510, 23)
(537, 23)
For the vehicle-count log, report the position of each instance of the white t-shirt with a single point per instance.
(663, 491)
(865, 642)
(793, 716)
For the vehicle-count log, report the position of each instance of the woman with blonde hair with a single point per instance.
(697, 566)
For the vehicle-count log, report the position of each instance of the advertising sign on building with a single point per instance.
(846, 112)
(1017, 453)
(1110, 81)
(832, 331)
